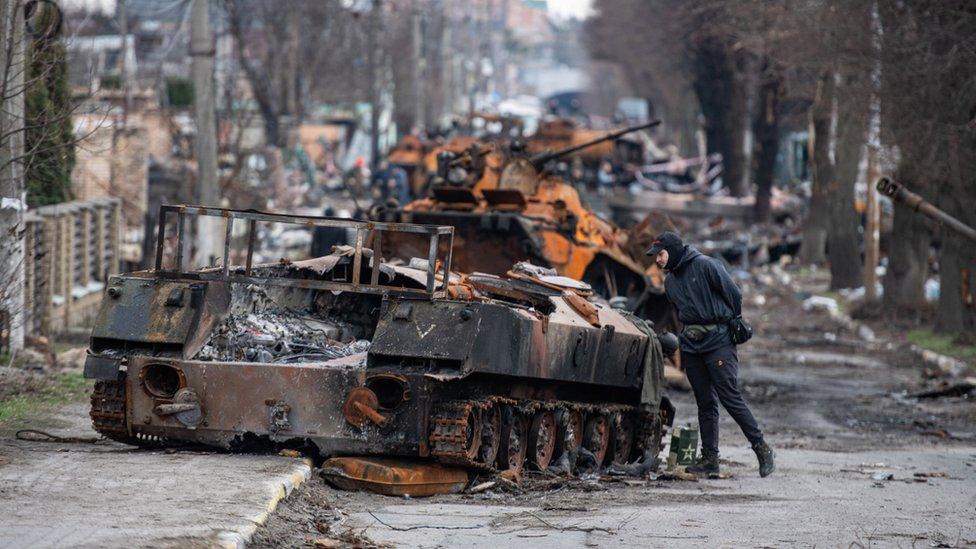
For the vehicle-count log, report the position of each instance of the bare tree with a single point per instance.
(929, 116)
(35, 134)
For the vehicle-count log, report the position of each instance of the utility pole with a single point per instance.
(375, 63)
(209, 229)
(124, 80)
(419, 66)
(14, 199)
(447, 56)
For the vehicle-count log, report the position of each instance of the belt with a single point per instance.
(697, 332)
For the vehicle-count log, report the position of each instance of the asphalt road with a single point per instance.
(832, 404)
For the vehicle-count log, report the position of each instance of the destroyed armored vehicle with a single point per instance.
(348, 354)
(506, 207)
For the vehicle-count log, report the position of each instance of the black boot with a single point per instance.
(765, 455)
(706, 464)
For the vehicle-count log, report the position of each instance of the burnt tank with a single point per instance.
(506, 206)
(352, 354)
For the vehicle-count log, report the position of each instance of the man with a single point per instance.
(706, 299)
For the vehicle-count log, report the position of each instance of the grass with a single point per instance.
(55, 390)
(943, 344)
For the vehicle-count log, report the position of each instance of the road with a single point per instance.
(831, 404)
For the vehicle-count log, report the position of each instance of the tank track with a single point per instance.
(449, 430)
(450, 423)
(108, 415)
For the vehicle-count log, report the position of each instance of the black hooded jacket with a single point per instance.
(703, 292)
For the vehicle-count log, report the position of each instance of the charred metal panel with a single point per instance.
(562, 346)
(102, 367)
(279, 401)
(427, 329)
(150, 310)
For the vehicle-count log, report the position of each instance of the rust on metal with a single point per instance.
(506, 208)
(393, 477)
(360, 408)
(897, 192)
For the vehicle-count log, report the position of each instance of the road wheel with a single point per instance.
(491, 435)
(514, 439)
(596, 436)
(621, 438)
(569, 430)
(542, 439)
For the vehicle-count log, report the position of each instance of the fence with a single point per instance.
(71, 249)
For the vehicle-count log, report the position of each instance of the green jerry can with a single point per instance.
(684, 447)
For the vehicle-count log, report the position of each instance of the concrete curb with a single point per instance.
(238, 536)
(945, 364)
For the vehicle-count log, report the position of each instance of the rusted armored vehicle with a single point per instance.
(505, 207)
(350, 354)
(417, 156)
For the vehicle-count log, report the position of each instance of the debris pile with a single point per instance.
(279, 337)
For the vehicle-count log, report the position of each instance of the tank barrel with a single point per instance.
(899, 193)
(540, 159)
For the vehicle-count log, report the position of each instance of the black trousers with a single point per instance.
(714, 378)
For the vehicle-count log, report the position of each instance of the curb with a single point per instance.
(941, 364)
(238, 536)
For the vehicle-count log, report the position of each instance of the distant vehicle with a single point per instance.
(506, 207)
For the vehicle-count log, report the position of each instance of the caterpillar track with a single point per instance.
(498, 433)
(108, 415)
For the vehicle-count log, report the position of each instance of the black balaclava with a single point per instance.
(675, 253)
(672, 243)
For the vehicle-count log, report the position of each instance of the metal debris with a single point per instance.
(278, 337)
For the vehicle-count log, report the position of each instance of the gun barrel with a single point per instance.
(899, 193)
(540, 159)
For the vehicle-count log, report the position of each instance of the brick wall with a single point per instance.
(112, 160)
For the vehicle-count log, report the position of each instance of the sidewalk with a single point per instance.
(112, 495)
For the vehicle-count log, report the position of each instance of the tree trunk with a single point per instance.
(812, 251)
(259, 78)
(956, 311)
(907, 264)
(843, 238)
(723, 100)
(767, 137)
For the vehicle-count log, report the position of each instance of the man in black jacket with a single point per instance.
(706, 299)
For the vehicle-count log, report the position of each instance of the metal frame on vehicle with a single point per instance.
(375, 230)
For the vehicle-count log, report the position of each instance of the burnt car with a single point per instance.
(348, 354)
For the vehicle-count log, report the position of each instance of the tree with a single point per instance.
(766, 130)
(929, 115)
(49, 134)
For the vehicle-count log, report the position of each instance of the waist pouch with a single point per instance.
(740, 330)
(697, 332)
